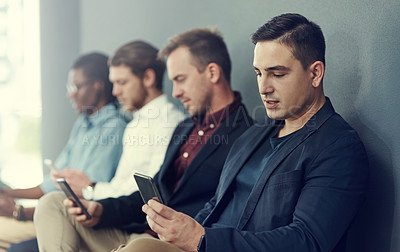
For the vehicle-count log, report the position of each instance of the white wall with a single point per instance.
(362, 71)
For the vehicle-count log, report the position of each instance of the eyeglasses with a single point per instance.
(74, 88)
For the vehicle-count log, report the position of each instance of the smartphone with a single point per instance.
(147, 188)
(72, 196)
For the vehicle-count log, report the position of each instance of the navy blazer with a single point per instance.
(306, 196)
(198, 183)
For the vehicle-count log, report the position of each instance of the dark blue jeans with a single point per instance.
(25, 246)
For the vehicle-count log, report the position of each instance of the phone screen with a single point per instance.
(147, 188)
(72, 196)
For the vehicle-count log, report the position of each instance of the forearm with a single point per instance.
(279, 240)
(129, 209)
(29, 193)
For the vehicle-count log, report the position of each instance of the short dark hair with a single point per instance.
(205, 45)
(304, 37)
(95, 68)
(140, 56)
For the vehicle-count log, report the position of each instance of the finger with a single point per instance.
(81, 218)
(161, 209)
(93, 207)
(74, 210)
(55, 174)
(145, 208)
(153, 218)
(68, 203)
(155, 226)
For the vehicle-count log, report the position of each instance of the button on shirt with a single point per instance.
(204, 128)
(94, 146)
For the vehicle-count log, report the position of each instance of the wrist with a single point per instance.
(88, 192)
(201, 247)
(18, 212)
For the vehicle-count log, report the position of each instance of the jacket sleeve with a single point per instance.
(334, 189)
(122, 211)
(208, 207)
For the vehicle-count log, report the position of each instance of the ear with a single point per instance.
(149, 78)
(214, 72)
(98, 85)
(317, 70)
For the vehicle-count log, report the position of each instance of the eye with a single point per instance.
(279, 75)
(180, 79)
(258, 73)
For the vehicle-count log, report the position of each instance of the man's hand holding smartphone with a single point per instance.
(94, 208)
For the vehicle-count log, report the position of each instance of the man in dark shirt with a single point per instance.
(295, 182)
(199, 66)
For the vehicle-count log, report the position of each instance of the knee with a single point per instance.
(49, 203)
(136, 245)
(148, 244)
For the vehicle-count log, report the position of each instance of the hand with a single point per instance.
(76, 179)
(172, 226)
(94, 208)
(7, 205)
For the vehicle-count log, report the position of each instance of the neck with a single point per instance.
(292, 125)
(96, 108)
(151, 95)
(222, 97)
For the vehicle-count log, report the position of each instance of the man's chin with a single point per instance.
(128, 108)
(273, 115)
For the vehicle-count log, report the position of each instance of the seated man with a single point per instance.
(137, 75)
(295, 182)
(91, 92)
(199, 67)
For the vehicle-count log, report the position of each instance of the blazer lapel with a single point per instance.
(233, 166)
(311, 126)
(210, 146)
(170, 156)
(273, 163)
(236, 162)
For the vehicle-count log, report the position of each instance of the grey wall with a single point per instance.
(362, 71)
(60, 45)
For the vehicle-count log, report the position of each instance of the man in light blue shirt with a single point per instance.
(94, 146)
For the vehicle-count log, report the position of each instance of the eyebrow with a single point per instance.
(275, 68)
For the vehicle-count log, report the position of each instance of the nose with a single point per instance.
(264, 85)
(71, 95)
(116, 90)
(176, 91)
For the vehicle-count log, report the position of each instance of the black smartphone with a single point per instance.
(72, 196)
(147, 188)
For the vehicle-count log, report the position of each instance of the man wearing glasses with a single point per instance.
(93, 148)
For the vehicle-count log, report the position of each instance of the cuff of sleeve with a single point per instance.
(201, 247)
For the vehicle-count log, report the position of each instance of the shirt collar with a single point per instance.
(154, 107)
(101, 115)
(220, 115)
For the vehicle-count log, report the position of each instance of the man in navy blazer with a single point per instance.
(292, 183)
(199, 66)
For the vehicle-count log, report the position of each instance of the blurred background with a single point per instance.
(39, 40)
